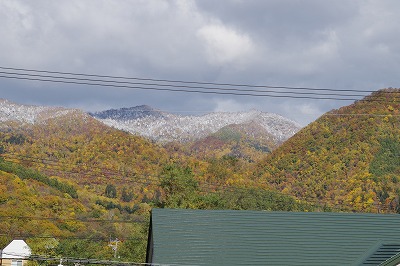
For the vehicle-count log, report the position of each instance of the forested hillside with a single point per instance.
(78, 183)
(72, 183)
(81, 184)
(36, 208)
(249, 141)
(348, 159)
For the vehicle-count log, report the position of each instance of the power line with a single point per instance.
(179, 90)
(220, 187)
(60, 164)
(38, 257)
(212, 187)
(297, 92)
(136, 220)
(179, 86)
(116, 175)
(361, 114)
(99, 238)
(184, 82)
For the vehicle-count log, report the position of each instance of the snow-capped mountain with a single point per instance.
(166, 127)
(126, 114)
(29, 114)
(154, 124)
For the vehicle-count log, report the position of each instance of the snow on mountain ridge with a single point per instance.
(29, 114)
(128, 113)
(155, 124)
(170, 127)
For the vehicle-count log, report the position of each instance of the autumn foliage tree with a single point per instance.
(179, 185)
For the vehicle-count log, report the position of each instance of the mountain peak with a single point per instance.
(166, 127)
(126, 114)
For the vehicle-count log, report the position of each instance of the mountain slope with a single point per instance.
(166, 127)
(29, 114)
(94, 159)
(34, 207)
(71, 144)
(88, 171)
(347, 159)
(78, 147)
(249, 141)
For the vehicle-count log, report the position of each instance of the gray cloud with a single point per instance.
(326, 44)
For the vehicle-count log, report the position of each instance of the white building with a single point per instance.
(15, 253)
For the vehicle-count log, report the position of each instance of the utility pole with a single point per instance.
(114, 245)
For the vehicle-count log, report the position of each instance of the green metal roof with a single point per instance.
(383, 253)
(226, 237)
(395, 260)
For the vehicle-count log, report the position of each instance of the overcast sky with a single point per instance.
(338, 44)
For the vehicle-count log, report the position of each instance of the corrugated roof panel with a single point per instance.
(203, 237)
(383, 253)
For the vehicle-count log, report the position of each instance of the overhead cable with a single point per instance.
(83, 220)
(38, 257)
(183, 86)
(175, 85)
(181, 81)
(176, 90)
(213, 187)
